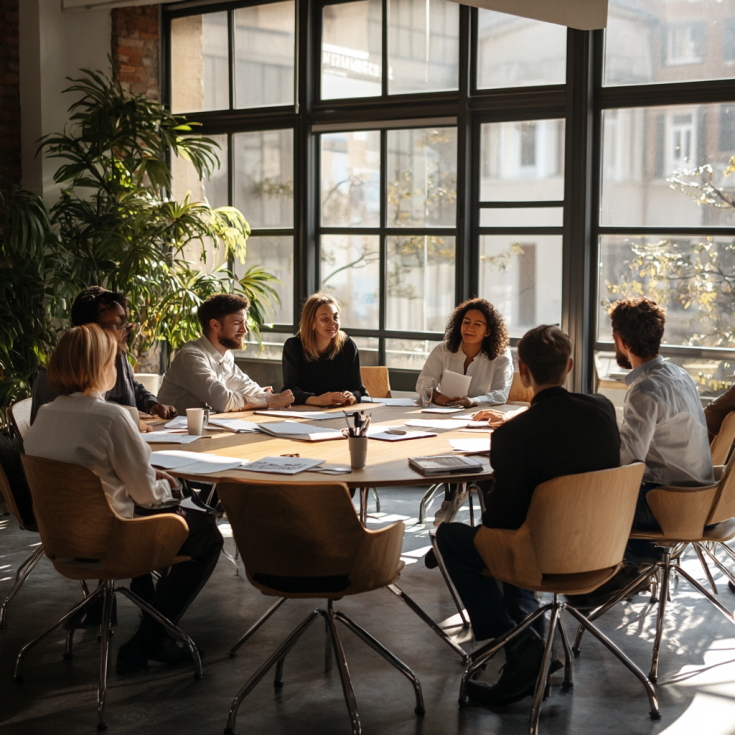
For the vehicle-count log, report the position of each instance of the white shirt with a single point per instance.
(491, 379)
(200, 375)
(664, 426)
(101, 436)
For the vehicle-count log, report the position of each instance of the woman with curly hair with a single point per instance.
(475, 344)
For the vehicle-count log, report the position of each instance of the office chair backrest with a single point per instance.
(376, 380)
(722, 444)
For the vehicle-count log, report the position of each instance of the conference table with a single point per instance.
(387, 461)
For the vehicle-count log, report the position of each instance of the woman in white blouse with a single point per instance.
(476, 344)
(82, 428)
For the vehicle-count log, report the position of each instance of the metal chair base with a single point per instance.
(108, 589)
(663, 569)
(22, 574)
(543, 687)
(279, 657)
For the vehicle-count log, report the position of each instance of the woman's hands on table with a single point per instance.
(494, 418)
(441, 400)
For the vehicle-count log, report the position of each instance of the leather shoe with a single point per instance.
(137, 652)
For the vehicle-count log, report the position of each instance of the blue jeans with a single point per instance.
(492, 612)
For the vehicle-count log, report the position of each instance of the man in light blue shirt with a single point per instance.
(663, 420)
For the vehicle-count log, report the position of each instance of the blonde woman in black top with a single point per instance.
(321, 364)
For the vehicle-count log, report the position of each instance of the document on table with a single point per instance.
(300, 432)
(438, 423)
(311, 415)
(332, 469)
(180, 422)
(441, 410)
(386, 433)
(237, 426)
(170, 437)
(395, 401)
(195, 463)
(470, 446)
(283, 465)
(455, 385)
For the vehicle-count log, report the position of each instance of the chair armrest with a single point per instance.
(140, 545)
(378, 559)
(509, 555)
(719, 470)
(682, 511)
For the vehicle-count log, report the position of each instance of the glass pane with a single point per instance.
(521, 275)
(350, 179)
(200, 76)
(264, 177)
(265, 40)
(422, 177)
(420, 283)
(519, 52)
(350, 271)
(531, 217)
(352, 50)
(409, 354)
(368, 347)
(272, 348)
(423, 46)
(522, 161)
(689, 276)
(185, 181)
(655, 41)
(669, 166)
(275, 255)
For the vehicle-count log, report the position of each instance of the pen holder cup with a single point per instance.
(358, 451)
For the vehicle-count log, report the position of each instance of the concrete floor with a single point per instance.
(696, 689)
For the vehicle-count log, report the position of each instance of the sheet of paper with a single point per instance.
(303, 432)
(189, 504)
(164, 437)
(386, 437)
(397, 401)
(438, 423)
(179, 422)
(470, 446)
(283, 465)
(311, 415)
(171, 459)
(332, 469)
(195, 463)
(454, 385)
(236, 425)
(440, 410)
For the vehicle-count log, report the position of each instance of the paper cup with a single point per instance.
(195, 420)
(358, 451)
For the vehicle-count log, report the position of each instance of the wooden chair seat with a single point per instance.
(719, 532)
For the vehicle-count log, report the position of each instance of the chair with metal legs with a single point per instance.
(572, 542)
(85, 539)
(306, 542)
(686, 515)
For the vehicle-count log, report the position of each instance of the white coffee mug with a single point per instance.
(195, 420)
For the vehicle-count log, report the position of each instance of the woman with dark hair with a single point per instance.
(475, 344)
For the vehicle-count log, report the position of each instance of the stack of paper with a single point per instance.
(396, 433)
(237, 426)
(470, 446)
(455, 385)
(283, 465)
(311, 415)
(332, 469)
(438, 423)
(442, 410)
(395, 401)
(194, 463)
(299, 432)
(170, 436)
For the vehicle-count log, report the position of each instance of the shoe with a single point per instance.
(731, 586)
(430, 560)
(441, 515)
(523, 658)
(137, 652)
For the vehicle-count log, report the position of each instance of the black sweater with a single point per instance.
(308, 378)
(561, 434)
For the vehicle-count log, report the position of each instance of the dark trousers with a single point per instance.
(175, 591)
(493, 608)
(639, 550)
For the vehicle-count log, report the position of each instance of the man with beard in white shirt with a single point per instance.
(204, 372)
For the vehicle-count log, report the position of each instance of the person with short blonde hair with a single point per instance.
(321, 364)
(81, 427)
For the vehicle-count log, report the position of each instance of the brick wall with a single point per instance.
(136, 49)
(10, 167)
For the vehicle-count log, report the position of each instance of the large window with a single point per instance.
(406, 155)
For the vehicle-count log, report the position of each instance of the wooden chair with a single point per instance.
(721, 445)
(697, 516)
(572, 542)
(518, 392)
(19, 415)
(85, 539)
(27, 524)
(306, 542)
(376, 380)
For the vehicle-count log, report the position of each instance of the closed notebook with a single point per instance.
(445, 464)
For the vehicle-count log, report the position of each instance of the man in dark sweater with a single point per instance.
(562, 433)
